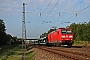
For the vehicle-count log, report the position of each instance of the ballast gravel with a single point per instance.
(44, 55)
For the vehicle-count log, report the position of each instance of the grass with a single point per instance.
(14, 53)
(30, 55)
(14, 57)
(82, 43)
(10, 54)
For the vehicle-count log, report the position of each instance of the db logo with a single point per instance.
(66, 36)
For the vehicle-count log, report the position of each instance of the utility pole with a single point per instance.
(23, 27)
(23, 32)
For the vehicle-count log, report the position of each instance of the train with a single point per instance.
(41, 41)
(61, 36)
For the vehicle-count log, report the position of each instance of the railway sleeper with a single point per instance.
(76, 53)
(70, 56)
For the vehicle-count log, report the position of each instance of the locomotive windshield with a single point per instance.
(66, 31)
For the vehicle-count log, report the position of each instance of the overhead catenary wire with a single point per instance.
(73, 7)
(76, 5)
(70, 9)
(77, 13)
(40, 18)
(42, 13)
(47, 6)
(59, 12)
(52, 9)
(48, 14)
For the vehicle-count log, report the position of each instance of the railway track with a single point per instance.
(83, 49)
(67, 53)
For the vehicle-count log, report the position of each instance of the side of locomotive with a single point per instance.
(62, 36)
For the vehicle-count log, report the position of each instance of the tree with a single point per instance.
(52, 29)
(44, 35)
(2, 33)
(49, 31)
(74, 26)
(88, 31)
(6, 38)
(81, 31)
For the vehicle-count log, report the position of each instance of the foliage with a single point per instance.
(30, 55)
(81, 43)
(11, 53)
(46, 33)
(81, 31)
(15, 53)
(2, 33)
(6, 39)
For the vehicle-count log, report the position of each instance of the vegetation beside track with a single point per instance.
(81, 43)
(14, 53)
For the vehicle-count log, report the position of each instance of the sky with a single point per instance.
(41, 15)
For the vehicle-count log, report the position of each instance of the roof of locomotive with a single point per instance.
(65, 28)
(61, 29)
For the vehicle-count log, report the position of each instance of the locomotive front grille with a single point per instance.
(67, 42)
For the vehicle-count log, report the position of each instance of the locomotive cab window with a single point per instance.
(66, 31)
(69, 32)
(63, 31)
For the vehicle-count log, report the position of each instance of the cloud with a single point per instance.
(34, 6)
(9, 7)
(87, 2)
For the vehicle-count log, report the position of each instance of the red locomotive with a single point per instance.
(62, 36)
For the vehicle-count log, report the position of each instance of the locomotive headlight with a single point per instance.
(70, 36)
(44, 40)
(63, 36)
(71, 39)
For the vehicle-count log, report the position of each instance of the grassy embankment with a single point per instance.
(14, 53)
(81, 43)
